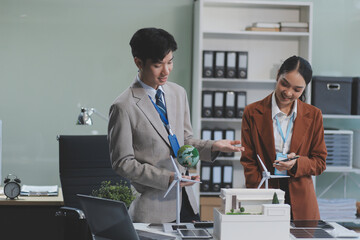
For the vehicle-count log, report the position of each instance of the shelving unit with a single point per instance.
(349, 121)
(219, 25)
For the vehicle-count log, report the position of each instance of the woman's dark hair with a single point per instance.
(152, 43)
(299, 64)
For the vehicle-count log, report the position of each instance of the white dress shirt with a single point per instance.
(284, 121)
(151, 91)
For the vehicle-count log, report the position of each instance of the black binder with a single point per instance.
(218, 134)
(207, 104)
(227, 176)
(206, 134)
(205, 177)
(231, 64)
(242, 64)
(240, 104)
(218, 104)
(230, 104)
(229, 134)
(220, 64)
(208, 64)
(216, 178)
(355, 105)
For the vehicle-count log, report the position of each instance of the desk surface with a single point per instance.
(33, 200)
(144, 226)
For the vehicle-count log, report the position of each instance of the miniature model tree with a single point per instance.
(275, 199)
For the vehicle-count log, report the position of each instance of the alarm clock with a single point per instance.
(12, 186)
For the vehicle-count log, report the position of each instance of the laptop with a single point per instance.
(110, 220)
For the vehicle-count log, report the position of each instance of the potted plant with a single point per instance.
(118, 191)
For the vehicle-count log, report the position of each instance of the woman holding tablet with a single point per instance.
(283, 126)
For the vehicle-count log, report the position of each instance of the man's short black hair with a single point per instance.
(152, 43)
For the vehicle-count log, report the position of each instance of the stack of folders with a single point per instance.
(218, 134)
(339, 209)
(294, 26)
(225, 64)
(31, 190)
(215, 176)
(223, 104)
(264, 27)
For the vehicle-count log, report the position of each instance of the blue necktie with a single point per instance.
(160, 103)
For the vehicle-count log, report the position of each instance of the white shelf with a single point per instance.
(334, 169)
(231, 120)
(228, 158)
(210, 193)
(338, 116)
(232, 80)
(239, 34)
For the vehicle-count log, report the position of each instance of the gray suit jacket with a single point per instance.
(140, 149)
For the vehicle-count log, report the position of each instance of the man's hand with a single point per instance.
(227, 146)
(196, 178)
(183, 184)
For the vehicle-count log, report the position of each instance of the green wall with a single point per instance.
(58, 55)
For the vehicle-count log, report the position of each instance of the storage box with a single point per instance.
(339, 144)
(207, 204)
(332, 94)
(355, 105)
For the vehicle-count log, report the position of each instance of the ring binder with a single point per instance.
(219, 104)
(242, 62)
(230, 105)
(207, 104)
(219, 64)
(240, 104)
(231, 64)
(208, 64)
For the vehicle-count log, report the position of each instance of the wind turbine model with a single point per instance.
(177, 179)
(266, 175)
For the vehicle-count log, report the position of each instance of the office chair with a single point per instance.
(84, 163)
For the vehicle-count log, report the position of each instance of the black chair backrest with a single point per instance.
(84, 162)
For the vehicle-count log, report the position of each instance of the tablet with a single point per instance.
(194, 233)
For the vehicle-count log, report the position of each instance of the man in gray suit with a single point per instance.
(139, 130)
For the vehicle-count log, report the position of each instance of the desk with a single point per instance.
(144, 226)
(31, 217)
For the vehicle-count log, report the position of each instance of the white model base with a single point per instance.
(272, 224)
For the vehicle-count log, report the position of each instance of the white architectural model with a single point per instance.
(260, 218)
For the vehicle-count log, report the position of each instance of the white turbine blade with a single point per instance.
(262, 181)
(176, 169)
(262, 164)
(188, 180)
(171, 186)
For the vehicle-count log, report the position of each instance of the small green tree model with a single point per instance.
(119, 192)
(275, 199)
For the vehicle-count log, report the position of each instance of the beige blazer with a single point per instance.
(257, 136)
(140, 149)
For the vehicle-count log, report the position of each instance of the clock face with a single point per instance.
(12, 190)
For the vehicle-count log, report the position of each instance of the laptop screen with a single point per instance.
(107, 218)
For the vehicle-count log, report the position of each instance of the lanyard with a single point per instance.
(287, 131)
(163, 118)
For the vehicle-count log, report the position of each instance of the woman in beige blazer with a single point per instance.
(138, 140)
(260, 135)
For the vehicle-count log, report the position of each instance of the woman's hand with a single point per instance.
(281, 166)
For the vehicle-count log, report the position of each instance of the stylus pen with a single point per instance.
(288, 159)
